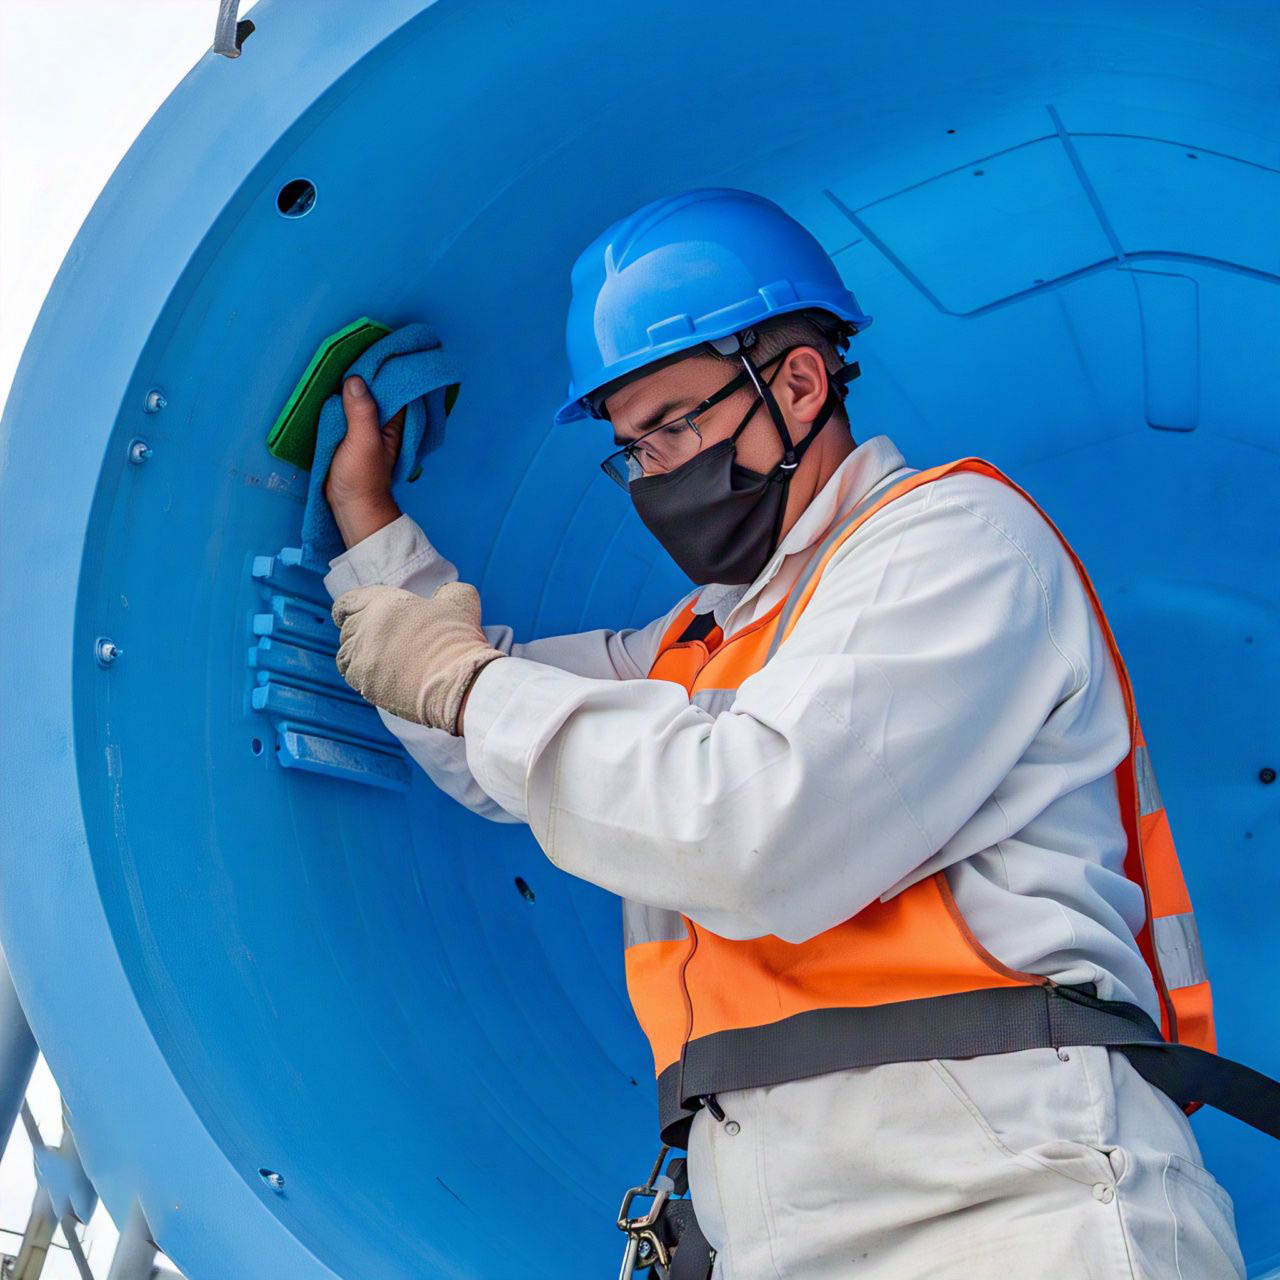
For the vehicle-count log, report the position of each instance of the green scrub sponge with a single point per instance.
(293, 437)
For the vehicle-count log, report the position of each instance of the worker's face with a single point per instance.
(799, 385)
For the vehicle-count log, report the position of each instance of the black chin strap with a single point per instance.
(837, 387)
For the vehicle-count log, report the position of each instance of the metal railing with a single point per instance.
(64, 1196)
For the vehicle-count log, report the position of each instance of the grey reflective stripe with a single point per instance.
(642, 923)
(714, 701)
(1178, 950)
(797, 590)
(1148, 790)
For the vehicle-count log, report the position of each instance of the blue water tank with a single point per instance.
(305, 959)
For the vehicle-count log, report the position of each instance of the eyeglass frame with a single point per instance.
(722, 393)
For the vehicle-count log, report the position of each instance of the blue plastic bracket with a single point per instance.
(322, 725)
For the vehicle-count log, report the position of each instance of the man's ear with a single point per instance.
(807, 378)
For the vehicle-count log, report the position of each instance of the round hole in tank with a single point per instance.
(256, 746)
(296, 198)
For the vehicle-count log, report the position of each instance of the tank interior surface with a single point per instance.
(1064, 222)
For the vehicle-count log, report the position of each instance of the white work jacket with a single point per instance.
(945, 701)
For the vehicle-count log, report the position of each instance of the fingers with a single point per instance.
(361, 409)
(457, 594)
(461, 596)
(343, 658)
(353, 601)
(377, 594)
(392, 435)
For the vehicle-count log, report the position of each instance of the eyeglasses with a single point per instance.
(665, 447)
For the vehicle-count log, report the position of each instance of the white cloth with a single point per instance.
(1001, 1167)
(946, 700)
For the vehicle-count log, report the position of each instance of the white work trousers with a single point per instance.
(1008, 1166)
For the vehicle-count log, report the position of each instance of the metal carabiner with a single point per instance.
(640, 1230)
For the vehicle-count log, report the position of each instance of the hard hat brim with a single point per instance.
(576, 408)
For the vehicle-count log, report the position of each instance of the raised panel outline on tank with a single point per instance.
(1075, 265)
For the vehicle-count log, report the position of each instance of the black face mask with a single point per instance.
(720, 521)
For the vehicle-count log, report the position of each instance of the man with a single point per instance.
(858, 790)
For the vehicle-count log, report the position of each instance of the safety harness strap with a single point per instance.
(693, 1256)
(1188, 1074)
(960, 1025)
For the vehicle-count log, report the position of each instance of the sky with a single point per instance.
(78, 81)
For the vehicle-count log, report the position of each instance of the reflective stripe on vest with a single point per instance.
(907, 979)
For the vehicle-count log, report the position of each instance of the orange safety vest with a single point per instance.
(906, 979)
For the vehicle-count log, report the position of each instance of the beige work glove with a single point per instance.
(413, 655)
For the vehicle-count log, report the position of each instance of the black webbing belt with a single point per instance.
(694, 1258)
(1184, 1073)
(994, 1021)
(1188, 1074)
(961, 1025)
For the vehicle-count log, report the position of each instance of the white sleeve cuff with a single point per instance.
(397, 555)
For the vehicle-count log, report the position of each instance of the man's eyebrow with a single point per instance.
(655, 420)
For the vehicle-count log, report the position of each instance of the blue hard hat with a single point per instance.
(684, 270)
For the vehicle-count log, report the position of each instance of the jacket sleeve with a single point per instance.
(920, 671)
(399, 555)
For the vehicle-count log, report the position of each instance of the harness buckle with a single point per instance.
(645, 1245)
(654, 1238)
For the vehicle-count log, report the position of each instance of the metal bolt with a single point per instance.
(106, 651)
(139, 451)
(155, 400)
(1064, 1055)
(1267, 775)
(731, 1127)
(274, 1180)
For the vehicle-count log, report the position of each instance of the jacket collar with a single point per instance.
(871, 463)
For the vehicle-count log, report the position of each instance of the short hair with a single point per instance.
(812, 327)
(825, 332)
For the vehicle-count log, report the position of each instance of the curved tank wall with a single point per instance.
(1064, 224)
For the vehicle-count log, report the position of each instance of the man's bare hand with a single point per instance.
(358, 486)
